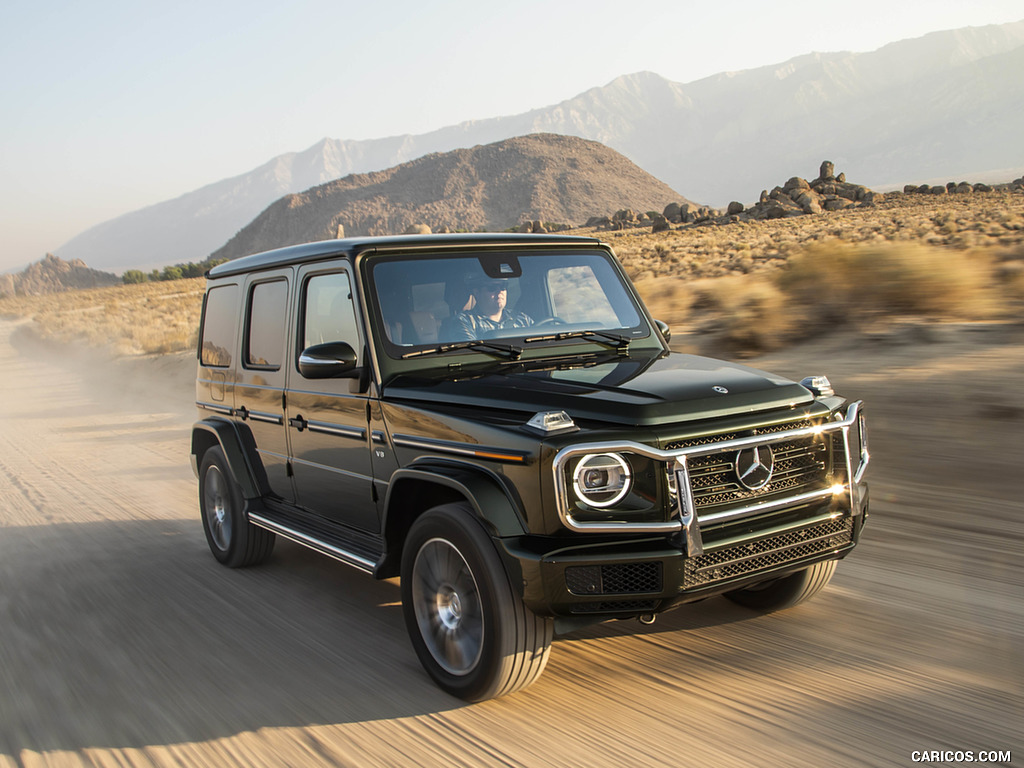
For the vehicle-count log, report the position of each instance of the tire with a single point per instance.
(787, 591)
(468, 624)
(234, 541)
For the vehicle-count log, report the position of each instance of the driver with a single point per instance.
(488, 312)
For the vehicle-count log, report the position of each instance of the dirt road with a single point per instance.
(123, 643)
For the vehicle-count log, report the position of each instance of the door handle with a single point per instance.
(298, 422)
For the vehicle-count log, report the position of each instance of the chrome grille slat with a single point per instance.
(765, 554)
(800, 466)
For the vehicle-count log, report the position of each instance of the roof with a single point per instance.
(350, 246)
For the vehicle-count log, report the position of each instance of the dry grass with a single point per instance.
(741, 288)
(752, 287)
(147, 318)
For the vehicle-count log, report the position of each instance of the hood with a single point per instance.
(635, 390)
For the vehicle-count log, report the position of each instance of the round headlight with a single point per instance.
(601, 479)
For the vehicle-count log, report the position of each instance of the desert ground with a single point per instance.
(123, 643)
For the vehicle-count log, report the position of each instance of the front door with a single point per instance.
(328, 419)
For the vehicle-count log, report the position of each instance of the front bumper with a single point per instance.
(646, 575)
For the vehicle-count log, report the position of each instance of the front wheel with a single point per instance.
(787, 591)
(468, 625)
(234, 541)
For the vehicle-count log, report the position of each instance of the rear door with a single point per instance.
(260, 380)
(328, 419)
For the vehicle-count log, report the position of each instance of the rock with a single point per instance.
(734, 208)
(827, 171)
(661, 224)
(841, 178)
(671, 212)
(795, 183)
(417, 229)
(836, 204)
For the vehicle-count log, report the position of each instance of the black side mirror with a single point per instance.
(665, 330)
(333, 360)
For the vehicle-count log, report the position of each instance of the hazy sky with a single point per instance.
(112, 105)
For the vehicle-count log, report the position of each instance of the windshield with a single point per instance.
(431, 305)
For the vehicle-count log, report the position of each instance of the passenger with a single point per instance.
(489, 313)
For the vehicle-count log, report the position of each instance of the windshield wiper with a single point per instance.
(506, 351)
(613, 340)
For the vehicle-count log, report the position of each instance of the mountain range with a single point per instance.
(946, 104)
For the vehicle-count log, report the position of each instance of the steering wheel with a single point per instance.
(553, 320)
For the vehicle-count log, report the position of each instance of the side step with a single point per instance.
(354, 550)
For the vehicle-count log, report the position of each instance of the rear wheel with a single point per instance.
(468, 625)
(786, 592)
(234, 541)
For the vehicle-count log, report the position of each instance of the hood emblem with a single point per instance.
(720, 390)
(754, 467)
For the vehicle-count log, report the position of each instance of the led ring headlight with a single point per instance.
(601, 479)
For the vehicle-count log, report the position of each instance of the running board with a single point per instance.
(317, 545)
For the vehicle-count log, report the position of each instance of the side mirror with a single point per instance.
(333, 360)
(665, 330)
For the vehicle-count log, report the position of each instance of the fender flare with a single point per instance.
(437, 482)
(239, 448)
(490, 498)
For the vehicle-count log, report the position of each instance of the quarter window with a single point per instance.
(219, 324)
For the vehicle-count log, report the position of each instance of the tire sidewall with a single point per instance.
(214, 459)
(453, 524)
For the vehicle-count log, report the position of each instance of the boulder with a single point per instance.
(795, 183)
(734, 208)
(661, 224)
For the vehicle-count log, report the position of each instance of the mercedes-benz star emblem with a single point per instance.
(754, 467)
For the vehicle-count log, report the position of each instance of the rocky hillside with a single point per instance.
(54, 275)
(529, 182)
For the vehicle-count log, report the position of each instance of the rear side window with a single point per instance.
(266, 323)
(220, 321)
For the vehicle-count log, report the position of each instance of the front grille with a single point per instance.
(765, 554)
(619, 578)
(801, 465)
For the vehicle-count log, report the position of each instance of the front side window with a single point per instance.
(329, 311)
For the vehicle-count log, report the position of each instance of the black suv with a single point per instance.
(498, 420)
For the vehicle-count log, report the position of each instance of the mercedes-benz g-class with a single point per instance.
(498, 420)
